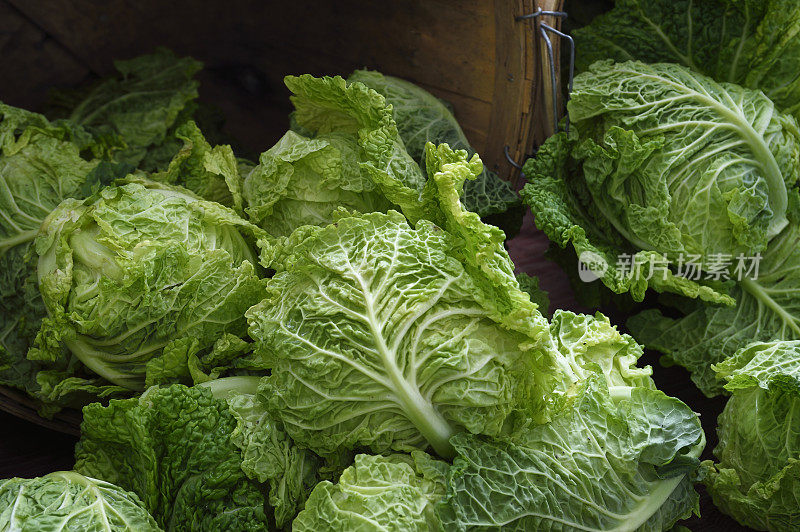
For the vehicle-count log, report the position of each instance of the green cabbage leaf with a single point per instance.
(151, 95)
(201, 458)
(767, 308)
(395, 492)
(757, 477)
(66, 500)
(753, 43)
(614, 458)
(423, 118)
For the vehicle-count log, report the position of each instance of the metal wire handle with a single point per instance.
(545, 30)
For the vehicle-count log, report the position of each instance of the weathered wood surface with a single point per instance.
(471, 52)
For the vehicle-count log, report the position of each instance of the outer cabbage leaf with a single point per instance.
(66, 500)
(680, 164)
(530, 285)
(376, 335)
(152, 94)
(42, 163)
(481, 246)
(767, 308)
(327, 105)
(420, 116)
(210, 172)
(757, 478)
(760, 365)
(268, 454)
(137, 272)
(585, 345)
(302, 181)
(564, 209)
(182, 451)
(392, 493)
(423, 118)
(619, 458)
(753, 43)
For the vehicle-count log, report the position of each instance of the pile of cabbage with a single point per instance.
(329, 338)
(677, 188)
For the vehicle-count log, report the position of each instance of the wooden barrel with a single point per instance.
(477, 54)
(474, 53)
(19, 404)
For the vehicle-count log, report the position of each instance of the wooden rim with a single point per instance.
(16, 403)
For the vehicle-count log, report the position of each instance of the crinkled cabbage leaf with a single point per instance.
(614, 458)
(201, 458)
(584, 345)
(530, 285)
(142, 105)
(210, 172)
(757, 477)
(564, 209)
(423, 118)
(395, 492)
(767, 308)
(753, 43)
(66, 500)
(342, 131)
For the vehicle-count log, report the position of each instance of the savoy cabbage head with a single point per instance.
(679, 163)
(66, 500)
(382, 334)
(302, 181)
(341, 131)
(140, 278)
(42, 163)
(360, 144)
(753, 43)
(663, 163)
(616, 454)
(757, 477)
